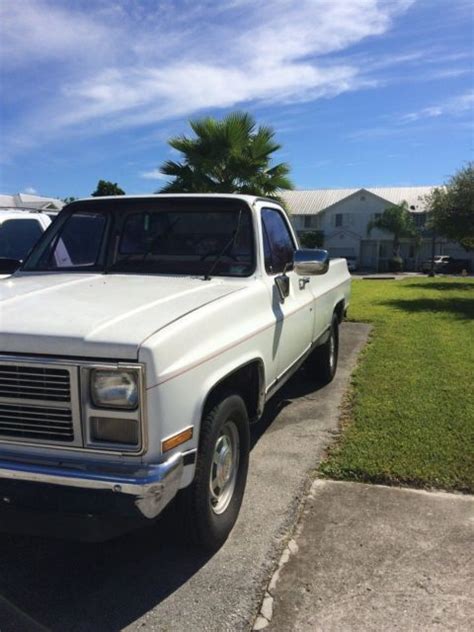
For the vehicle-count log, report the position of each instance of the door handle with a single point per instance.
(303, 282)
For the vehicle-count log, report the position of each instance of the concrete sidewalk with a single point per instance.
(367, 557)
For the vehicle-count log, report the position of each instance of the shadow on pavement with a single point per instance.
(75, 586)
(300, 385)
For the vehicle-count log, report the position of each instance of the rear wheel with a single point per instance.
(324, 358)
(211, 504)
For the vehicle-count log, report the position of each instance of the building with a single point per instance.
(342, 216)
(31, 202)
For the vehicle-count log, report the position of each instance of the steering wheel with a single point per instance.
(216, 253)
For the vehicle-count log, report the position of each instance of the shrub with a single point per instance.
(395, 264)
(312, 239)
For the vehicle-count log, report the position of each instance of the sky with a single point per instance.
(359, 92)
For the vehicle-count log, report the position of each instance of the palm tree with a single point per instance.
(397, 220)
(230, 155)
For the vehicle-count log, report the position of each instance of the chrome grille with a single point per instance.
(39, 402)
(31, 422)
(31, 382)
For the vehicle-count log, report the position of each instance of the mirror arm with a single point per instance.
(288, 267)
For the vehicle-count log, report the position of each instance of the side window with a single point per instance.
(277, 241)
(18, 236)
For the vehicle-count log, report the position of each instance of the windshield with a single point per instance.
(179, 238)
(17, 236)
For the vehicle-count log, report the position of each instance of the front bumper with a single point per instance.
(142, 491)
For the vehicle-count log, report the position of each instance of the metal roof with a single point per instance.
(313, 201)
(26, 201)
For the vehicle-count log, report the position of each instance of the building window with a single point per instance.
(420, 219)
(307, 221)
(339, 217)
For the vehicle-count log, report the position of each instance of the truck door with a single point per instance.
(294, 316)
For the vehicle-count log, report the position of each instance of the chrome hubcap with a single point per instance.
(224, 468)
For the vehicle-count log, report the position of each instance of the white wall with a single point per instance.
(357, 210)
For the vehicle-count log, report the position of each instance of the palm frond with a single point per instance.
(227, 155)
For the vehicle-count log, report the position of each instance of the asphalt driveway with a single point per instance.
(149, 580)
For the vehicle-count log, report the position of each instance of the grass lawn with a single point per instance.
(410, 412)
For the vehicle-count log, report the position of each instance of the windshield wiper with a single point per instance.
(228, 245)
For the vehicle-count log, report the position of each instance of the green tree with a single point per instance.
(396, 220)
(230, 155)
(105, 188)
(68, 200)
(451, 208)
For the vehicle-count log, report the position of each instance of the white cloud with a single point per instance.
(44, 31)
(120, 64)
(154, 174)
(30, 191)
(454, 106)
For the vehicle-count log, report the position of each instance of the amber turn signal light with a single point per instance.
(177, 439)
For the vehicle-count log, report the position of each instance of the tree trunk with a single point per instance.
(396, 246)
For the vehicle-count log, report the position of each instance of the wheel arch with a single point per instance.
(246, 380)
(339, 310)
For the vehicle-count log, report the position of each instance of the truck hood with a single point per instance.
(96, 315)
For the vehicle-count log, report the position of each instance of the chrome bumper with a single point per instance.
(150, 487)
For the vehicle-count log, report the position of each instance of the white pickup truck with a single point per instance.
(140, 338)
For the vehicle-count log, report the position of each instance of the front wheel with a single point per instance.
(324, 358)
(212, 502)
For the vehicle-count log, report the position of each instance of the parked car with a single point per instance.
(445, 264)
(437, 262)
(352, 263)
(19, 231)
(139, 340)
(456, 266)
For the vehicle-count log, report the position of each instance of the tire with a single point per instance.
(210, 505)
(325, 357)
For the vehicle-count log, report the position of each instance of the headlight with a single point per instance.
(114, 389)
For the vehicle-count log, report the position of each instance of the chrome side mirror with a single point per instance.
(311, 262)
